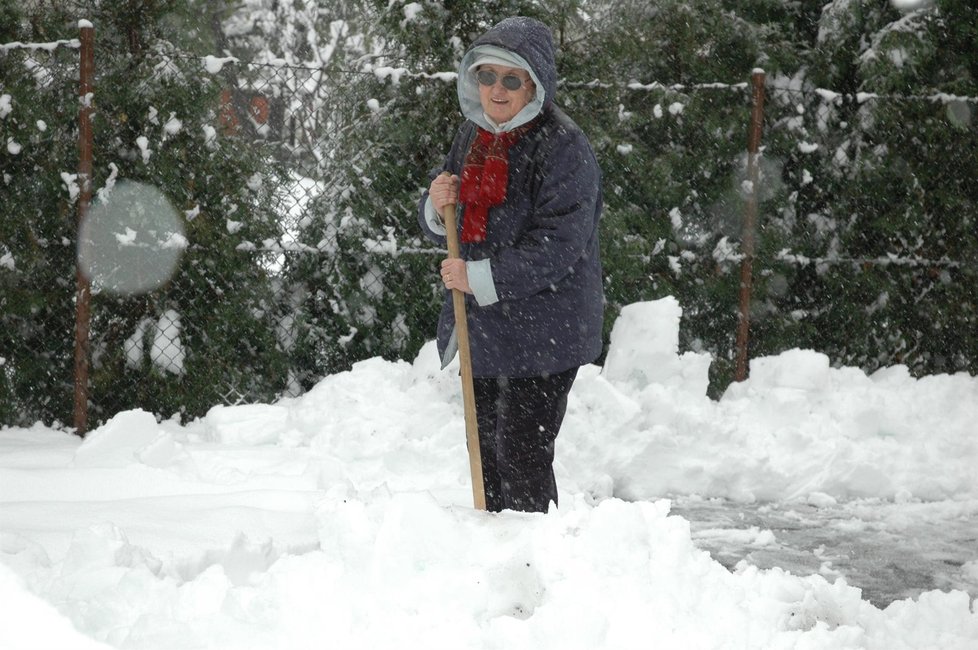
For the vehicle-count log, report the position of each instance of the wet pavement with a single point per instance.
(891, 551)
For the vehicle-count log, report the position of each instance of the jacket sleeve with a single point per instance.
(564, 219)
(427, 217)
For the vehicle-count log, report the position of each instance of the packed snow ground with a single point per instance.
(342, 518)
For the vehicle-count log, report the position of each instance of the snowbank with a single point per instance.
(342, 518)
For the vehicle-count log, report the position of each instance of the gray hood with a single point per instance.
(529, 45)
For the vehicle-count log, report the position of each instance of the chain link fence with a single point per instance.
(259, 241)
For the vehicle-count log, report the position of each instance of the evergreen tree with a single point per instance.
(673, 153)
(38, 109)
(208, 334)
(894, 193)
(865, 247)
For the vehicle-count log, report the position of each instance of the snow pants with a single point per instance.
(519, 418)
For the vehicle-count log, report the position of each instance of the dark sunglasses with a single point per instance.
(488, 78)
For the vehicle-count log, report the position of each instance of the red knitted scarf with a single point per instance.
(485, 174)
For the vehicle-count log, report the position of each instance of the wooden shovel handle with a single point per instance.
(465, 360)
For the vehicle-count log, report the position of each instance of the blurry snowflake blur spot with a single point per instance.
(131, 240)
(959, 113)
(911, 5)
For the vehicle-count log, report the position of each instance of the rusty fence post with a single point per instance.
(750, 224)
(83, 291)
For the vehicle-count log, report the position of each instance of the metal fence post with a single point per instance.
(83, 291)
(750, 221)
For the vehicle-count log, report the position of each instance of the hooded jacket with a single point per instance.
(537, 303)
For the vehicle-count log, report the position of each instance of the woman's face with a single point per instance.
(500, 103)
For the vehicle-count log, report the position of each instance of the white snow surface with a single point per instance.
(343, 518)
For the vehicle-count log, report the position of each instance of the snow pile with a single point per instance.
(342, 518)
(795, 428)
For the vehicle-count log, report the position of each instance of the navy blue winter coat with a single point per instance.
(543, 311)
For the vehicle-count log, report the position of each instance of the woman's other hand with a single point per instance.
(443, 191)
(454, 275)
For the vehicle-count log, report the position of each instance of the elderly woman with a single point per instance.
(528, 190)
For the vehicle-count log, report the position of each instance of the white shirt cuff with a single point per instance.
(481, 282)
(432, 218)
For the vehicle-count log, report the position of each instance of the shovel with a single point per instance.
(465, 361)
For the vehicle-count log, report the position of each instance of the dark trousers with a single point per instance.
(519, 418)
